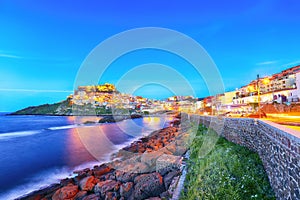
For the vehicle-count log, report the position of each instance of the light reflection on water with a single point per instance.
(75, 151)
(101, 140)
(60, 145)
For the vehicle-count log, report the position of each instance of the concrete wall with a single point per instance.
(278, 147)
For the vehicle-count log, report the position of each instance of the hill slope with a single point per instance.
(60, 108)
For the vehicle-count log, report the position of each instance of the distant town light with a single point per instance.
(266, 81)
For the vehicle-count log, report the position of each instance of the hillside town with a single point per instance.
(282, 88)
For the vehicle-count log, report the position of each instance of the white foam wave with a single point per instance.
(45, 179)
(63, 127)
(71, 126)
(39, 181)
(15, 134)
(18, 134)
(133, 139)
(89, 165)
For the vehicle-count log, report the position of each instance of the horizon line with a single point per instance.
(34, 90)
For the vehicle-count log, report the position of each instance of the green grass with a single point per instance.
(229, 171)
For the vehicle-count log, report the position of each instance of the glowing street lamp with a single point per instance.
(266, 81)
(250, 88)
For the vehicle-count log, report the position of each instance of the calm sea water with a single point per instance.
(36, 151)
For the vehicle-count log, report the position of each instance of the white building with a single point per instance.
(296, 94)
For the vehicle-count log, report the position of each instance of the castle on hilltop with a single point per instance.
(106, 96)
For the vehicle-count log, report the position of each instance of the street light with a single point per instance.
(265, 81)
(258, 95)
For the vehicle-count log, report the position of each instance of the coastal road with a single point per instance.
(297, 128)
(290, 121)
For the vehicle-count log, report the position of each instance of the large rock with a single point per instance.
(85, 171)
(134, 116)
(80, 195)
(166, 163)
(183, 139)
(78, 178)
(66, 181)
(150, 158)
(108, 176)
(108, 119)
(111, 196)
(126, 152)
(169, 177)
(66, 192)
(148, 185)
(99, 171)
(165, 195)
(105, 186)
(141, 168)
(87, 183)
(125, 176)
(173, 185)
(132, 168)
(126, 190)
(171, 147)
(127, 167)
(180, 150)
(157, 146)
(165, 151)
(135, 158)
(92, 197)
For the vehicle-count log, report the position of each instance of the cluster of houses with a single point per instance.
(107, 96)
(283, 87)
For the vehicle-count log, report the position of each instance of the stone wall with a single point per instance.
(278, 148)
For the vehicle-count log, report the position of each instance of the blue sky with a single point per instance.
(43, 43)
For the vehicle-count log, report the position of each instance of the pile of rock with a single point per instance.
(118, 118)
(146, 169)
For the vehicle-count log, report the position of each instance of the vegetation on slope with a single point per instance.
(229, 171)
(65, 108)
(45, 109)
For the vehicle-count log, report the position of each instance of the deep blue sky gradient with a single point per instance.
(43, 43)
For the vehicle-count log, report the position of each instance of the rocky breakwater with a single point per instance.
(147, 169)
(118, 118)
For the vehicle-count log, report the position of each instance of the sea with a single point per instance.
(36, 151)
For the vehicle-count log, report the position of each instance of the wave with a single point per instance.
(45, 179)
(40, 181)
(118, 147)
(89, 165)
(15, 134)
(63, 127)
(72, 126)
(18, 134)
